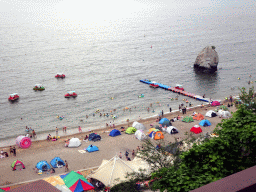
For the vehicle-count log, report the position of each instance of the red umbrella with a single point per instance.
(196, 129)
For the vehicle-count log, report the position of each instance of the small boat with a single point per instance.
(71, 94)
(179, 87)
(39, 87)
(13, 97)
(153, 85)
(60, 75)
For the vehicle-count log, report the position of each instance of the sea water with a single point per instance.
(105, 55)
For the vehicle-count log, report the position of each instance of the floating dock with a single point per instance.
(185, 93)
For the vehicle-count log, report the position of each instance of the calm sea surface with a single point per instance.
(104, 54)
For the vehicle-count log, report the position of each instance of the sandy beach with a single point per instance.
(108, 147)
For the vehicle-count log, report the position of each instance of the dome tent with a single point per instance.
(94, 137)
(198, 116)
(211, 113)
(139, 134)
(224, 114)
(114, 133)
(156, 135)
(43, 166)
(138, 126)
(17, 165)
(196, 129)
(130, 130)
(56, 162)
(74, 142)
(171, 130)
(215, 103)
(188, 119)
(92, 148)
(164, 121)
(205, 123)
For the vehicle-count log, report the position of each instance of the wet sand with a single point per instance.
(108, 147)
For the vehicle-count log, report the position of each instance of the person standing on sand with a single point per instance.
(79, 129)
(66, 166)
(162, 113)
(11, 150)
(133, 153)
(120, 155)
(14, 151)
(56, 129)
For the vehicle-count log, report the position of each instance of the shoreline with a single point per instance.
(73, 133)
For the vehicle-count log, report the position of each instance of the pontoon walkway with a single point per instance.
(185, 93)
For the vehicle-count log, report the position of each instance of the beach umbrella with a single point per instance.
(188, 119)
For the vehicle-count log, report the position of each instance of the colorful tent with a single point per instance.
(138, 126)
(188, 119)
(152, 129)
(198, 116)
(114, 133)
(139, 134)
(223, 107)
(17, 165)
(74, 142)
(23, 142)
(211, 113)
(205, 123)
(164, 121)
(94, 137)
(57, 162)
(76, 182)
(130, 130)
(196, 129)
(92, 148)
(215, 103)
(43, 166)
(171, 130)
(156, 135)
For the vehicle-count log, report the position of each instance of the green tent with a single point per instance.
(223, 107)
(188, 119)
(72, 177)
(130, 130)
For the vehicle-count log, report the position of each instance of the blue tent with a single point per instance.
(43, 166)
(114, 133)
(151, 134)
(56, 161)
(205, 123)
(164, 121)
(92, 148)
(91, 136)
(94, 137)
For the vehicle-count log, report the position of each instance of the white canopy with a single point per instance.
(111, 170)
(224, 114)
(138, 126)
(74, 142)
(140, 135)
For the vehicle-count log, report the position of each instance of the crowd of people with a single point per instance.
(5, 154)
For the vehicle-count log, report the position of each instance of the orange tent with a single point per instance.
(159, 135)
(198, 117)
(152, 129)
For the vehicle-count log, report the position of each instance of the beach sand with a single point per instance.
(108, 147)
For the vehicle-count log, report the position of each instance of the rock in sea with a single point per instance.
(207, 59)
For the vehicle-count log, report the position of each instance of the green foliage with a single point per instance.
(129, 186)
(234, 150)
